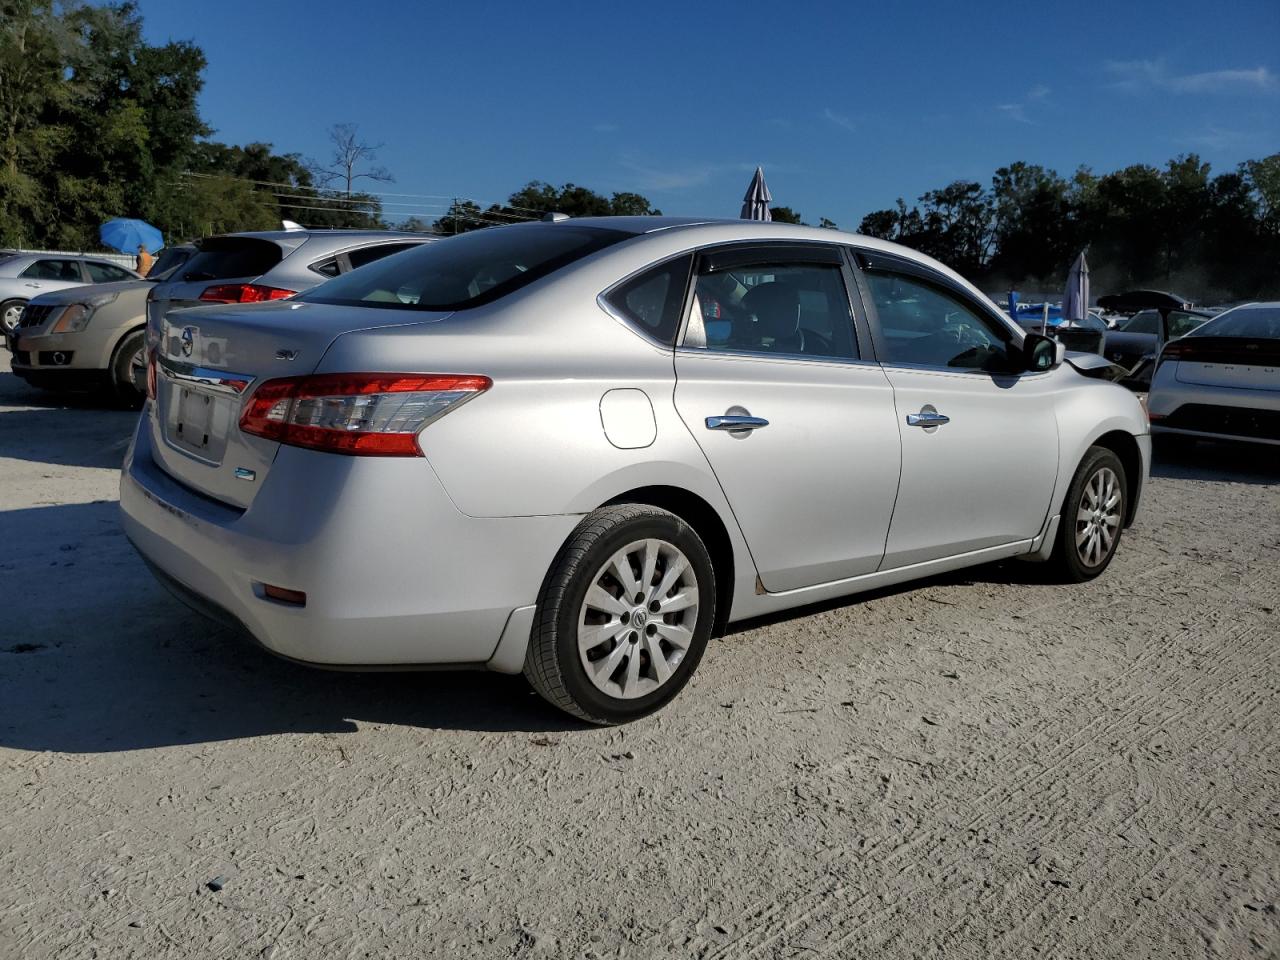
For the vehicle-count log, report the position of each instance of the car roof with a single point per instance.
(291, 235)
(725, 230)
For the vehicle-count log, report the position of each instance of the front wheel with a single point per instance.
(624, 615)
(1092, 517)
(130, 353)
(10, 311)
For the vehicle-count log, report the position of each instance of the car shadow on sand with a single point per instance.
(95, 656)
(1217, 462)
(69, 430)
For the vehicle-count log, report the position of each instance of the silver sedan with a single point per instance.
(1222, 381)
(578, 449)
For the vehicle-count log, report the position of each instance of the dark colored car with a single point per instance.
(1135, 344)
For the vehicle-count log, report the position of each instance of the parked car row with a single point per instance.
(27, 275)
(80, 337)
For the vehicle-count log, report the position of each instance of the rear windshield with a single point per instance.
(465, 271)
(225, 258)
(168, 262)
(1244, 322)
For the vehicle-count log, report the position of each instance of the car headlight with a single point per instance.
(76, 317)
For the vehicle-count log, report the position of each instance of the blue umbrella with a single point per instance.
(127, 235)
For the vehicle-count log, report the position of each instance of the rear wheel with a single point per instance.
(1092, 518)
(10, 311)
(624, 615)
(130, 352)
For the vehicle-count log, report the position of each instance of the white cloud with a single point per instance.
(1018, 111)
(605, 128)
(1137, 76)
(648, 177)
(838, 119)
(1014, 111)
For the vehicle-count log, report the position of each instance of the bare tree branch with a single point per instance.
(349, 153)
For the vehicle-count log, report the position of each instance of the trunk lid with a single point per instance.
(1251, 363)
(220, 260)
(210, 359)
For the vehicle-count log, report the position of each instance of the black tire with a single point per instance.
(553, 664)
(121, 384)
(5, 308)
(1069, 563)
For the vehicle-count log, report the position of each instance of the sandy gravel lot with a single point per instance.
(980, 766)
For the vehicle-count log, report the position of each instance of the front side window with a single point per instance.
(788, 309)
(53, 270)
(466, 271)
(651, 301)
(106, 272)
(924, 325)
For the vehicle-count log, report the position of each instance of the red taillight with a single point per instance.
(361, 414)
(244, 293)
(284, 595)
(151, 373)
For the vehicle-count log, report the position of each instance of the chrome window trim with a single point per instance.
(602, 300)
(807, 358)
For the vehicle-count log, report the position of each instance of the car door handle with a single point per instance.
(734, 422)
(927, 419)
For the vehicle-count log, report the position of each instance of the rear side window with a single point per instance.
(358, 258)
(468, 270)
(651, 301)
(106, 272)
(225, 258)
(327, 268)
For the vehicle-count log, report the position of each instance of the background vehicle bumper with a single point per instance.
(394, 574)
(87, 351)
(1214, 412)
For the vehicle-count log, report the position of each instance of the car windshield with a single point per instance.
(465, 271)
(1244, 322)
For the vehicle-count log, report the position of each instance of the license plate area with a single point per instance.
(197, 422)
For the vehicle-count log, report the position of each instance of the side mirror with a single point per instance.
(1041, 353)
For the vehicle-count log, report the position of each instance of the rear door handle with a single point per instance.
(927, 419)
(734, 422)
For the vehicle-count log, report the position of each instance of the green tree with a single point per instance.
(784, 215)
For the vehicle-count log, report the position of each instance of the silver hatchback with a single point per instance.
(578, 449)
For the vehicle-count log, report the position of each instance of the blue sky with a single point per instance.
(847, 106)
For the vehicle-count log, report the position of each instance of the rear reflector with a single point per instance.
(151, 373)
(295, 597)
(359, 414)
(243, 293)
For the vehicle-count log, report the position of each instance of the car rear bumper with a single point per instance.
(1213, 412)
(394, 574)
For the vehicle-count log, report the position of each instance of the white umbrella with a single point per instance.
(1075, 302)
(755, 205)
